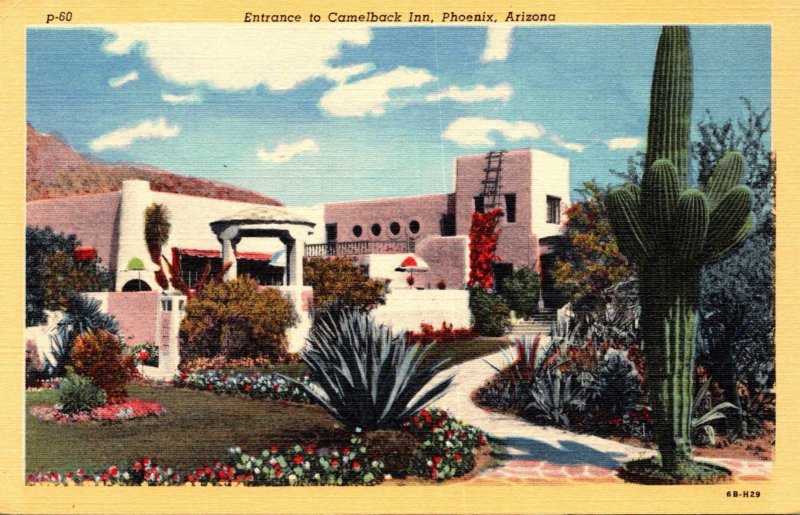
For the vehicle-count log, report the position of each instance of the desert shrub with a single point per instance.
(82, 315)
(78, 393)
(100, 356)
(370, 377)
(234, 320)
(615, 392)
(521, 291)
(33, 364)
(491, 315)
(341, 279)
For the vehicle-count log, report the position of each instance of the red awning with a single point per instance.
(84, 253)
(409, 261)
(256, 256)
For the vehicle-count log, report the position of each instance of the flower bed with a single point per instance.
(445, 334)
(447, 449)
(257, 386)
(129, 409)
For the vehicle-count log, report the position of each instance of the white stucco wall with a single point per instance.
(190, 218)
(550, 176)
(406, 309)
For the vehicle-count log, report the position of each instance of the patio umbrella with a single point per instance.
(412, 263)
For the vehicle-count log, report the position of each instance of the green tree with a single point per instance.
(737, 310)
(592, 262)
(51, 272)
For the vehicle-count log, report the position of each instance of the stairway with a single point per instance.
(541, 323)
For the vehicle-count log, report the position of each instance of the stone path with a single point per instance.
(538, 454)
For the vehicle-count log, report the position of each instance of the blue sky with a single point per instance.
(309, 113)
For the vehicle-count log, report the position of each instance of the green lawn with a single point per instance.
(198, 427)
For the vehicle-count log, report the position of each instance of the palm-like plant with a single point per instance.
(81, 316)
(368, 377)
(156, 235)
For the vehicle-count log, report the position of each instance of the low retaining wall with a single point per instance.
(406, 310)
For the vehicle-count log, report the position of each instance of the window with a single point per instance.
(331, 233)
(511, 207)
(479, 204)
(394, 227)
(357, 231)
(376, 229)
(413, 226)
(448, 224)
(553, 210)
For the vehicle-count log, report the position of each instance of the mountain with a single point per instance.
(54, 169)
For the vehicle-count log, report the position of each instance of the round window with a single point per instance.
(413, 226)
(357, 231)
(395, 228)
(376, 229)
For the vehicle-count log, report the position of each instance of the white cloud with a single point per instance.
(478, 93)
(124, 137)
(624, 143)
(190, 98)
(370, 95)
(575, 147)
(235, 57)
(285, 152)
(498, 44)
(475, 130)
(118, 82)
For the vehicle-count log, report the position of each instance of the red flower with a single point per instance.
(136, 466)
(278, 473)
(335, 462)
(273, 448)
(356, 465)
(310, 449)
(298, 459)
(457, 457)
(191, 478)
(143, 355)
(81, 472)
(346, 451)
(113, 470)
(105, 476)
(434, 473)
(437, 460)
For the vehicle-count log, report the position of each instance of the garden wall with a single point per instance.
(137, 313)
(405, 310)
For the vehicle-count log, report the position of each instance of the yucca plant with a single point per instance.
(364, 375)
(554, 398)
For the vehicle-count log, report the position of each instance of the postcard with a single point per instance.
(415, 258)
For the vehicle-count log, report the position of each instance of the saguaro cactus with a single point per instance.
(669, 231)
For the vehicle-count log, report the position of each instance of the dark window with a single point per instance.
(136, 285)
(511, 208)
(331, 233)
(413, 226)
(395, 228)
(448, 224)
(376, 229)
(357, 231)
(479, 204)
(553, 210)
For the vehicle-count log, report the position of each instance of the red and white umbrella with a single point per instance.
(413, 263)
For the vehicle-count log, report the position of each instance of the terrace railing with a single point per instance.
(356, 248)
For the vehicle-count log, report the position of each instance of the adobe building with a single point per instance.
(269, 242)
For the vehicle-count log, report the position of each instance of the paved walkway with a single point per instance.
(538, 454)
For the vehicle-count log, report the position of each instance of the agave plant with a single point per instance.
(82, 315)
(527, 360)
(554, 398)
(364, 375)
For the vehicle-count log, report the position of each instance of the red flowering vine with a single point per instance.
(483, 235)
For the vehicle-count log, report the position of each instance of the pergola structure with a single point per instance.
(270, 222)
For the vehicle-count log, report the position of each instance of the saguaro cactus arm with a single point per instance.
(690, 225)
(660, 190)
(623, 214)
(726, 174)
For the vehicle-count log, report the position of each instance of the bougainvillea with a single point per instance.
(483, 235)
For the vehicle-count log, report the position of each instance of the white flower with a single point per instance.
(273, 461)
(430, 463)
(375, 463)
(358, 430)
(306, 465)
(125, 475)
(387, 477)
(448, 443)
(256, 471)
(238, 450)
(317, 476)
(292, 478)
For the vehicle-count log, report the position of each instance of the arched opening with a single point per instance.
(136, 285)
